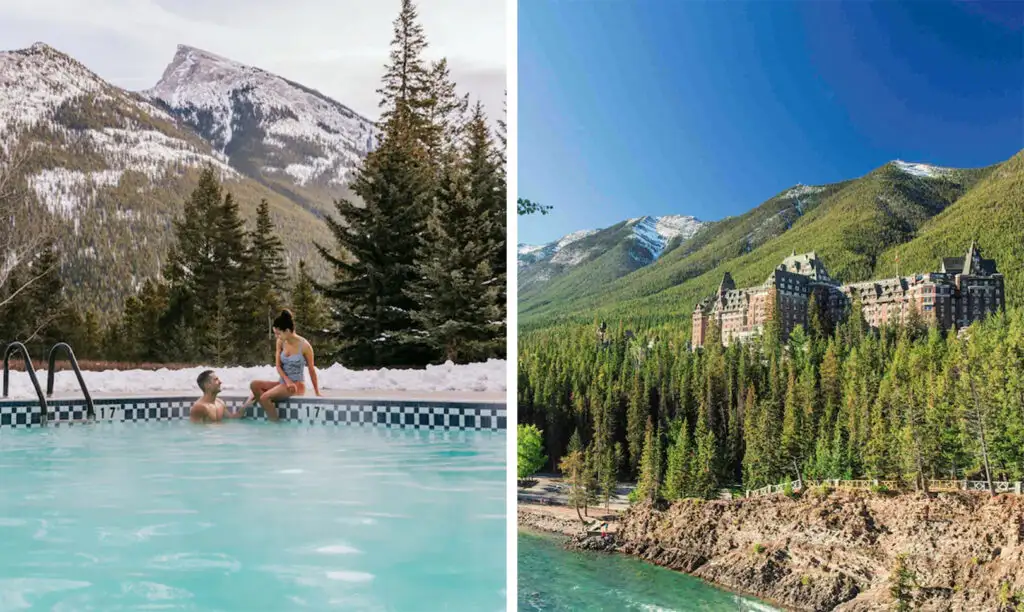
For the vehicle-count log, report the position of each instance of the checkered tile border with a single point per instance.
(310, 411)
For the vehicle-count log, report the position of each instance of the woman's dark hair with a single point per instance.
(284, 321)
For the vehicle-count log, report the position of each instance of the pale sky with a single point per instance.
(338, 47)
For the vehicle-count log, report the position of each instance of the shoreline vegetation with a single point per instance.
(827, 549)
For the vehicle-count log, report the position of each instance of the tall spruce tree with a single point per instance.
(309, 308)
(269, 276)
(377, 243)
(238, 306)
(191, 268)
(457, 291)
(487, 186)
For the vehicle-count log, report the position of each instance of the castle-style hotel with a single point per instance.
(966, 289)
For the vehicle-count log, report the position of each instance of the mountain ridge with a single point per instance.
(112, 168)
(854, 225)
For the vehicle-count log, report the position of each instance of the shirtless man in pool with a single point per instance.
(209, 408)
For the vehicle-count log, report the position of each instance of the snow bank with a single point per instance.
(477, 377)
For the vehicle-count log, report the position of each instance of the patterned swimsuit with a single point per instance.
(292, 366)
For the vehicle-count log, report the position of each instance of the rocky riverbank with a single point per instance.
(551, 519)
(831, 551)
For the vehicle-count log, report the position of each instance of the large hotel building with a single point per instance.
(964, 290)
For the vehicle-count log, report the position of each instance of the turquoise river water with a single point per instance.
(553, 579)
(251, 516)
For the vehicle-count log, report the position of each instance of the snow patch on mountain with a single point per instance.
(559, 252)
(62, 191)
(922, 170)
(34, 82)
(654, 233)
(801, 190)
(573, 237)
(151, 152)
(210, 91)
(526, 249)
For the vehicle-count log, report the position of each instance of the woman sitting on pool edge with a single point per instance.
(292, 353)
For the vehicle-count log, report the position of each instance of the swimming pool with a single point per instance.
(251, 516)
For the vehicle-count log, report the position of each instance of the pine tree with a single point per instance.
(191, 267)
(678, 475)
(705, 482)
(378, 243)
(45, 300)
(309, 308)
(650, 465)
(269, 276)
(242, 317)
(487, 186)
(219, 340)
(457, 293)
(445, 116)
(636, 417)
(406, 88)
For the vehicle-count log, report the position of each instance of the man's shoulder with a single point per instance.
(199, 408)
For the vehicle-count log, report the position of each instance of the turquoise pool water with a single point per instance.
(251, 516)
(556, 580)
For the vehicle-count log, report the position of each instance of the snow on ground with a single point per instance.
(488, 377)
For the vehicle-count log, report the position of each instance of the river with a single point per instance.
(554, 579)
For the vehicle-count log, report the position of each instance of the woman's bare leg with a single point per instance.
(268, 398)
(258, 388)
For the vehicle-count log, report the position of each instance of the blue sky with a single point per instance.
(710, 108)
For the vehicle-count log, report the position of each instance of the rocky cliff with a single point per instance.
(836, 551)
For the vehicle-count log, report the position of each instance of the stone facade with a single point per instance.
(966, 289)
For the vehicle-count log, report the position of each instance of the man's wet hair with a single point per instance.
(204, 378)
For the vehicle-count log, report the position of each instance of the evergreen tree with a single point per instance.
(487, 186)
(269, 276)
(636, 417)
(650, 466)
(308, 307)
(191, 268)
(456, 291)
(405, 93)
(378, 243)
(240, 315)
(678, 475)
(704, 469)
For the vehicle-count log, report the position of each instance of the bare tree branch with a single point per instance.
(25, 227)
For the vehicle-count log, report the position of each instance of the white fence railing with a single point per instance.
(933, 485)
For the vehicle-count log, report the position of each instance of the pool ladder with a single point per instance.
(16, 347)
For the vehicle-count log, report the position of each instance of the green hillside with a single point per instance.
(854, 226)
(991, 213)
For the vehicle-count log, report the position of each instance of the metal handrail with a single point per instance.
(52, 361)
(8, 352)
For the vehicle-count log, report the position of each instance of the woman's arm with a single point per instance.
(277, 362)
(308, 350)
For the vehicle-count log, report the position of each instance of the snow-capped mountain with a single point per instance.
(112, 168)
(553, 251)
(652, 234)
(265, 123)
(634, 243)
(47, 96)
